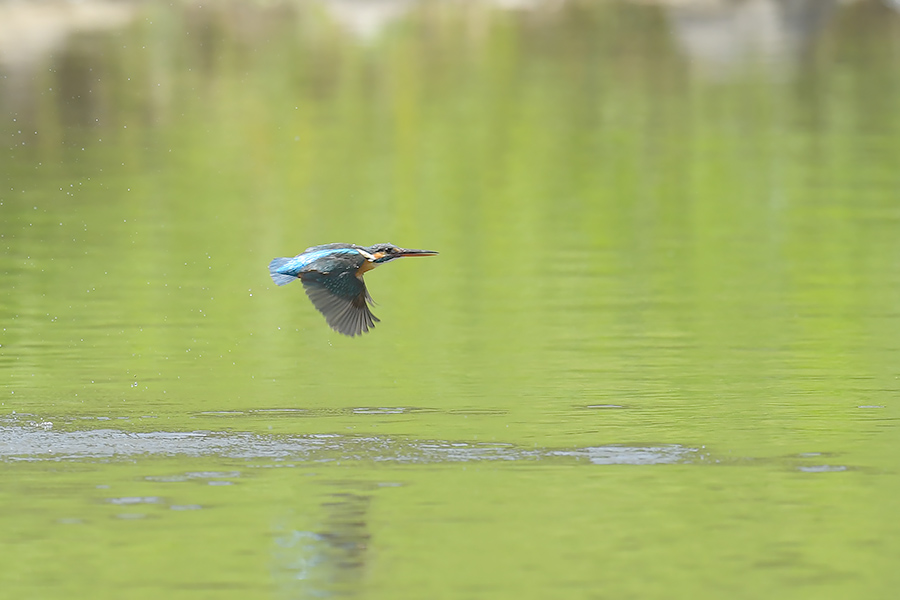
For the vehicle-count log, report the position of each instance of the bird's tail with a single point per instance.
(279, 278)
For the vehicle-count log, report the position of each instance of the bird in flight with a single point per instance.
(332, 275)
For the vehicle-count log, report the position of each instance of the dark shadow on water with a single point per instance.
(331, 559)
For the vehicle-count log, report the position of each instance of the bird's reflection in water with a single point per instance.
(330, 560)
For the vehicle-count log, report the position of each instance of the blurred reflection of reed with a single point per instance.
(719, 36)
(30, 31)
(714, 34)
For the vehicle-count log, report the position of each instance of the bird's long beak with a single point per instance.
(411, 252)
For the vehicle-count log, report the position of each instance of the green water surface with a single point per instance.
(657, 357)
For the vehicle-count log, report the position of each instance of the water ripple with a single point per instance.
(34, 442)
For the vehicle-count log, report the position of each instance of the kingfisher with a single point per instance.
(332, 275)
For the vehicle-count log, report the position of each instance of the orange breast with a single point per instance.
(366, 266)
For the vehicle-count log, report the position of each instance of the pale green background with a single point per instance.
(691, 262)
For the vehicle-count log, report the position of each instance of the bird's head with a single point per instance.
(382, 253)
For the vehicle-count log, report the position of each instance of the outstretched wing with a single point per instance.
(343, 299)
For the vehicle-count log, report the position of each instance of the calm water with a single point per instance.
(658, 356)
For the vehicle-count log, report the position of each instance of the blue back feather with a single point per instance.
(286, 270)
